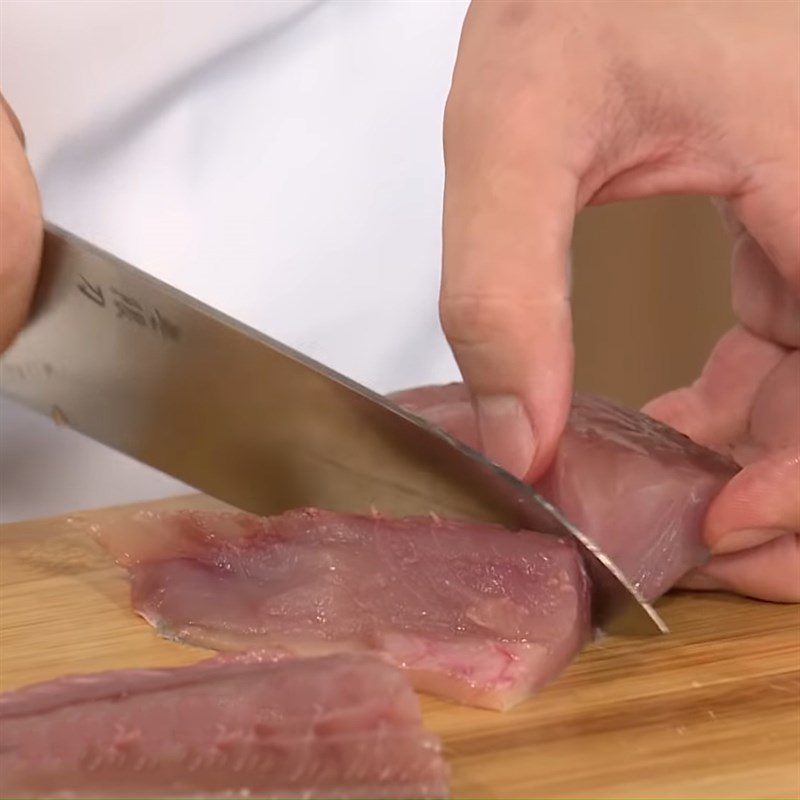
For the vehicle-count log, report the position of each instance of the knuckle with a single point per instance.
(477, 317)
(503, 108)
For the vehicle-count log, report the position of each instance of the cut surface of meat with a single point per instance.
(474, 612)
(636, 487)
(337, 726)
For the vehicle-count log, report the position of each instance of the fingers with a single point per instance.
(762, 298)
(757, 504)
(770, 212)
(20, 230)
(770, 571)
(510, 200)
(752, 528)
(764, 301)
(768, 201)
(748, 401)
(715, 410)
(505, 311)
(775, 416)
(545, 117)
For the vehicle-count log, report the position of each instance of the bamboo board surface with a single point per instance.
(712, 710)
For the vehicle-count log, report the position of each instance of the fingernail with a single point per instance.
(734, 541)
(457, 419)
(506, 433)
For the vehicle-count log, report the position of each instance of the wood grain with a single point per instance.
(712, 710)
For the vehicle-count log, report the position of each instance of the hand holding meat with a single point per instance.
(556, 106)
(20, 227)
(747, 401)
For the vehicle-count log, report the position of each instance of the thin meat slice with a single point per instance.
(339, 726)
(637, 487)
(473, 612)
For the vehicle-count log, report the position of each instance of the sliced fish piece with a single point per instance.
(339, 726)
(474, 612)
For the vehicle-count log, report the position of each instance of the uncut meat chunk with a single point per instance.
(637, 487)
(340, 726)
(474, 612)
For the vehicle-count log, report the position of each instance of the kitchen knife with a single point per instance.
(143, 368)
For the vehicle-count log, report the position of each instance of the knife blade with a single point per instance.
(151, 372)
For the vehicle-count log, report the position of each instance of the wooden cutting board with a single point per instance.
(712, 710)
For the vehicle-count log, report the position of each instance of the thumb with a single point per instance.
(768, 571)
(509, 325)
(504, 303)
(760, 503)
(520, 130)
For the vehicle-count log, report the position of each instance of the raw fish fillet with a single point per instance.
(637, 487)
(340, 726)
(474, 612)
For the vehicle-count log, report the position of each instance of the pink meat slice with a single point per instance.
(637, 487)
(476, 613)
(337, 726)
